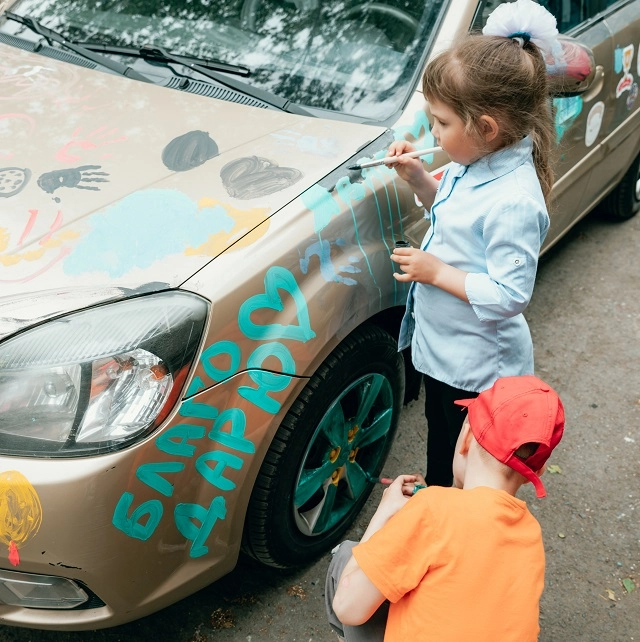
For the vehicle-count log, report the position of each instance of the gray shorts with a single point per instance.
(373, 629)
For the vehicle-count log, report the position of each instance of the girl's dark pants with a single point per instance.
(444, 421)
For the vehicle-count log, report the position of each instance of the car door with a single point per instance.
(623, 125)
(596, 135)
(582, 122)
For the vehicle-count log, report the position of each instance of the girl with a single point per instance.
(474, 273)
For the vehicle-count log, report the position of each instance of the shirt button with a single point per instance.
(517, 262)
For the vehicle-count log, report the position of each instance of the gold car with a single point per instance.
(198, 317)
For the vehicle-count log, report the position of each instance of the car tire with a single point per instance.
(319, 469)
(623, 202)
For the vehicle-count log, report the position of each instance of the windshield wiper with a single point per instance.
(147, 53)
(53, 36)
(159, 54)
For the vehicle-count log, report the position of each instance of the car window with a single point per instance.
(357, 57)
(569, 13)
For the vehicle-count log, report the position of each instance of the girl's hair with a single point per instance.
(503, 79)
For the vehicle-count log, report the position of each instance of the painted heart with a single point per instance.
(276, 279)
(253, 177)
(189, 150)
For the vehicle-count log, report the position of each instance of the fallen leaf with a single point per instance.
(554, 468)
(628, 584)
(297, 590)
(611, 595)
(222, 619)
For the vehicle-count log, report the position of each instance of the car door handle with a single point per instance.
(596, 85)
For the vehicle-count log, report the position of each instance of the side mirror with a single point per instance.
(571, 68)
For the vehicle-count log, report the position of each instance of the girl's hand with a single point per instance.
(410, 170)
(416, 265)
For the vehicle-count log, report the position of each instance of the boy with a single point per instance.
(460, 563)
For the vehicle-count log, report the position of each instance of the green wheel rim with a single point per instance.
(344, 452)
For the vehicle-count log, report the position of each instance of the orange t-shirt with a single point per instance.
(458, 565)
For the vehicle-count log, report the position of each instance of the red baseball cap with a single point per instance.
(513, 412)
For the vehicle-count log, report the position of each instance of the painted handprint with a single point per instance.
(97, 138)
(74, 177)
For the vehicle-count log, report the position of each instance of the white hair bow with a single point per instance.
(523, 20)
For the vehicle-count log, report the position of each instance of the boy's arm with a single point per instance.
(357, 597)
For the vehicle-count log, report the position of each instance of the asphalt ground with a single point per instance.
(585, 322)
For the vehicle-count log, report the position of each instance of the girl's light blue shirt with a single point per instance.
(488, 219)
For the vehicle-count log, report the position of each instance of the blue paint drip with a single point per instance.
(346, 190)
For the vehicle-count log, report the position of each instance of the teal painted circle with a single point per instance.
(344, 452)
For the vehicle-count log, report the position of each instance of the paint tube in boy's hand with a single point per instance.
(403, 244)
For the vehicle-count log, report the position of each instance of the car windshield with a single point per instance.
(359, 58)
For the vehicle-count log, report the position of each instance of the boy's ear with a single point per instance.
(489, 128)
(464, 439)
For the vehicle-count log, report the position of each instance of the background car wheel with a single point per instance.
(317, 473)
(623, 202)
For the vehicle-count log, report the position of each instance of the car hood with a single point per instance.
(109, 185)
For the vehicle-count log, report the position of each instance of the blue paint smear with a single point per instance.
(322, 249)
(566, 112)
(617, 60)
(320, 202)
(143, 228)
(419, 127)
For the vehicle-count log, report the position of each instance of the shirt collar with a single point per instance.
(496, 164)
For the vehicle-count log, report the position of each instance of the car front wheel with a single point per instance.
(333, 442)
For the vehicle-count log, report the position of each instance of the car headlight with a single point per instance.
(94, 381)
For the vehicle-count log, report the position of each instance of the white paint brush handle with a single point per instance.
(393, 159)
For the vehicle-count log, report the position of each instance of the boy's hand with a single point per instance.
(394, 497)
(410, 488)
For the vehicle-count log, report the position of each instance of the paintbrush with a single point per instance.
(394, 159)
(379, 480)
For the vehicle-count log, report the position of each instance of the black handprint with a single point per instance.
(74, 177)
